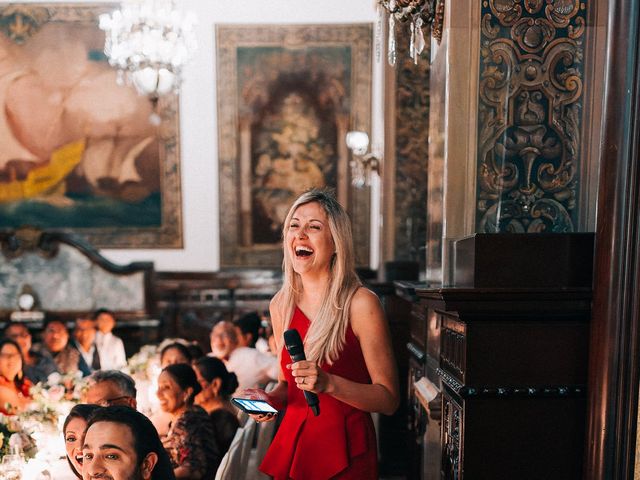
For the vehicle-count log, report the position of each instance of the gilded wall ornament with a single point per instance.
(529, 115)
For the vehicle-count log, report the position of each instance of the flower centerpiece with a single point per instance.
(144, 368)
(9, 426)
(54, 398)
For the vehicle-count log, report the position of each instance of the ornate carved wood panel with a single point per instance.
(412, 152)
(529, 115)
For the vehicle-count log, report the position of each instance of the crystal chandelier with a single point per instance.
(419, 14)
(149, 42)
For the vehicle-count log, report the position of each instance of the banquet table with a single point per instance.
(57, 469)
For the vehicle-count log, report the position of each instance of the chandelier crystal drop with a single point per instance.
(149, 42)
(420, 15)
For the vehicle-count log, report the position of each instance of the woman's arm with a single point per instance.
(371, 329)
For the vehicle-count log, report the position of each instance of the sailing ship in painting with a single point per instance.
(76, 148)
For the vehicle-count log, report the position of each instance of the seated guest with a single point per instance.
(217, 386)
(84, 335)
(249, 327)
(121, 443)
(73, 432)
(14, 386)
(111, 387)
(36, 367)
(173, 353)
(55, 345)
(170, 354)
(110, 347)
(190, 441)
(253, 368)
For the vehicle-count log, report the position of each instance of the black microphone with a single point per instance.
(293, 344)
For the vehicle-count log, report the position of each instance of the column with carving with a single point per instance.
(529, 116)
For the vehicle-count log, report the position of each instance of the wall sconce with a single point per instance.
(363, 164)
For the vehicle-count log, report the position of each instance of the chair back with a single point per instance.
(247, 444)
(266, 432)
(230, 467)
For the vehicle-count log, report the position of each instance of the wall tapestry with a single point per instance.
(287, 95)
(79, 153)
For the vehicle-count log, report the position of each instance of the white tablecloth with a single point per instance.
(58, 470)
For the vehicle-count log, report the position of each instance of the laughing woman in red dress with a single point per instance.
(349, 364)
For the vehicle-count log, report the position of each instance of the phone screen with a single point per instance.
(254, 406)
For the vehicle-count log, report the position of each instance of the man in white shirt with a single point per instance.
(110, 347)
(253, 368)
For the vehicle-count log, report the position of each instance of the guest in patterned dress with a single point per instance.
(190, 441)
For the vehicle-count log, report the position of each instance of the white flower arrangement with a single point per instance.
(53, 398)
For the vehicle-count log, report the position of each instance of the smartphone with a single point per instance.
(249, 405)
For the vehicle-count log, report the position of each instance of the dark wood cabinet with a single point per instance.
(513, 374)
(498, 379)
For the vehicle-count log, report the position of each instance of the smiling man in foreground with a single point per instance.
(122, 444)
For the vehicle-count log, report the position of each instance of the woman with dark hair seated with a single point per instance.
(120, 442)
(190, 441)
(14, 386)
(73, 431)
(217, 386)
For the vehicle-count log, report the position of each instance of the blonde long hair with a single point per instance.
(326, 336)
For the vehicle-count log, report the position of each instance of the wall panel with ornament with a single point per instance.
(287, 95)
(531, 117)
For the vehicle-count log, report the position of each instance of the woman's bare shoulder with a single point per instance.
(364, 298)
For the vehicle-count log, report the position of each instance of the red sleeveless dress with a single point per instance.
(340, 443)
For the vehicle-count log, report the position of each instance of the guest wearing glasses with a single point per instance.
(190, 441)
(111, 387)
(36, 367)
(73, 431)
(218, 384)
(14, 386)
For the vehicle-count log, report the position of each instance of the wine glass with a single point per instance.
(11, 467)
